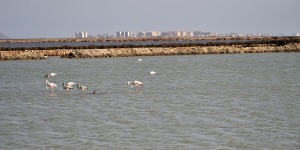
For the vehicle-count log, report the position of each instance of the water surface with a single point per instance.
(248, 101)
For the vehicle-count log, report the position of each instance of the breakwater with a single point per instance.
(147, 51)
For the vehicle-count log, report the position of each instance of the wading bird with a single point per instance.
(152, 72)
(135, 84)
(68, 86)
(81, 87)
(50, 85)
(50, 75)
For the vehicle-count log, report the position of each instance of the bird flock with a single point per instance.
(137, 85)
(68, 86)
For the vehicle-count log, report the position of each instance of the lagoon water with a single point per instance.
(247, 101)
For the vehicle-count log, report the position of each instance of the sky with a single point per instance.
(62, 18)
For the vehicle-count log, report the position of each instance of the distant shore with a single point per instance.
(278, 44)
(134, 39)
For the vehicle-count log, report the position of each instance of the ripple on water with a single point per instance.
(247, 101)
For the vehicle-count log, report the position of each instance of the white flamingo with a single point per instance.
(152, 72)
(52, 74)
(135, 84)
(68, 86)
(50, 85)
(70, 83)
(81, 87)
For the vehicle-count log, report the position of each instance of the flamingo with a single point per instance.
(81, 87)
(152, 72)
(51, 85)
(50, 75)
(135, 84)
(70, 83)
(68, 86)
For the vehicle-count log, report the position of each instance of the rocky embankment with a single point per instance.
(31, 54)
(147, 51)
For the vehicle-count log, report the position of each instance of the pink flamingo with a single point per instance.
(135, 84)
(51, 85)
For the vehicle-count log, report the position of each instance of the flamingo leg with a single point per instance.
(140, 87)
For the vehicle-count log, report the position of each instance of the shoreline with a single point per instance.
(141, 39)
(146, 51)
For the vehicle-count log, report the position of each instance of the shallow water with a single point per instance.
(248, 101)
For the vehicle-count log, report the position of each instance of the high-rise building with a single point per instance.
(81, 35)
(124, 34)
(152, 34)
(141, 34)
(177, 34)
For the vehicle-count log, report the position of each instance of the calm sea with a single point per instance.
(247, 101)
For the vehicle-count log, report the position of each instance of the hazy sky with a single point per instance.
(62, 18)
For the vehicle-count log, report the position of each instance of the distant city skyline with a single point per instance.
(61, 19)
(121, 34)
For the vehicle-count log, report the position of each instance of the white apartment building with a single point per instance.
(124, 34)
(177, 34)
(152, 34)
(81, 35)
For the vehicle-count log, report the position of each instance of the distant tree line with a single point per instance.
(244, 43)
